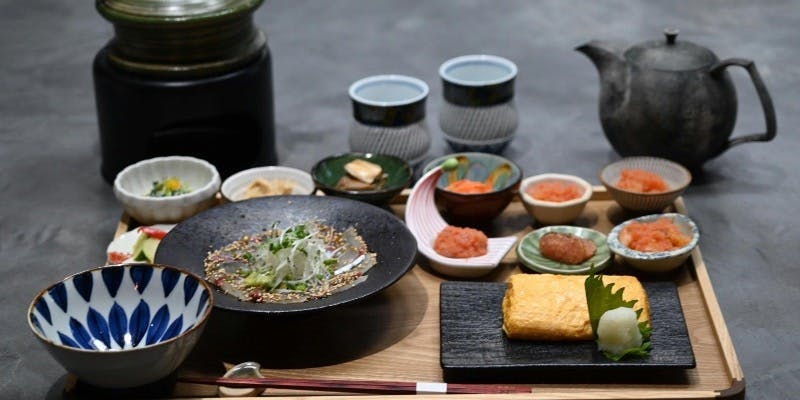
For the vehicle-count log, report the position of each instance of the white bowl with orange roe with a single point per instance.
(645, 184)
(655, 243)
(555, 199)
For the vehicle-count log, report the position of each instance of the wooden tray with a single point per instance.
(395, 335)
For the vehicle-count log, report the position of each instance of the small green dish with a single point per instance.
(530, 256)
(327, 172)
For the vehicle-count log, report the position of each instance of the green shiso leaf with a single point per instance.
(601, 298)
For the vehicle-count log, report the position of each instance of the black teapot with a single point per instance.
(672, 99)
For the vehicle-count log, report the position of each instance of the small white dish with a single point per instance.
(550, 212)
(124, 245)
(235, 187)
(133, 183)
(675, 175)
(425, 223)
(655, 262)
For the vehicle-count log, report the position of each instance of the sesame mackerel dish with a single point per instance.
(300, 263)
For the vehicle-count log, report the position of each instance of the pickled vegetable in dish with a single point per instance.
(466, 186)
(555, 191)
(639, 180)
(659, 235)
(566, 248)
(362, 175)
(261, 187)
(168, 187)
(301, 263)
(455, 242)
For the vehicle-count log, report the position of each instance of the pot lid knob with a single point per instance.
(671, 34)
(670, 54)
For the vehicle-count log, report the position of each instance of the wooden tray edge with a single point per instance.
(735, 391)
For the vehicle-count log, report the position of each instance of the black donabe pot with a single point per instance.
(184, 78)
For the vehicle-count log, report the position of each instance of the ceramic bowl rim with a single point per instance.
(409, 80)
(266, 169)
(572, 229)
(616, 246)
(201, 191)
(687, 177)
(488, 58)
(587, 190)
(475, 196)
(322, 186)
(201, 321)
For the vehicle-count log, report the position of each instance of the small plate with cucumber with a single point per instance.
(137, 245)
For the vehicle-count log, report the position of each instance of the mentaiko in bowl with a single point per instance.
(327, 172)
(661, 261)
(501, 173)
(675, 175)
(122, 325)
(235, 187)
(134, 183)
(530, 255)
(555, 212)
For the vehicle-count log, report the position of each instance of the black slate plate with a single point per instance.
(188, 243)
(474, 345)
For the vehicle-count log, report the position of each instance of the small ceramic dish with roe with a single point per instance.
(427, 225)
(554, 199)
(475, 186)
(655, 243)
(652, 183)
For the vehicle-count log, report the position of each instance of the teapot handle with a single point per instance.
(763, 96)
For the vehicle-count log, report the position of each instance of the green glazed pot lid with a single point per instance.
(172, 10)
(531, 257)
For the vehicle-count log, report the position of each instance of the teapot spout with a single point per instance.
(611, 67)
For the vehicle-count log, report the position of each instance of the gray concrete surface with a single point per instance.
(57, 215)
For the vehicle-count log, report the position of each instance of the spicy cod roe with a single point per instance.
(466, 186)
(639, 180)
(660, 235)
(457, 242)
(555, 191)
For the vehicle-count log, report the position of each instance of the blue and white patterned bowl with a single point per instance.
(122, 325)
(655, 262)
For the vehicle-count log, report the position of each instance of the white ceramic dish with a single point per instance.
(675, 175)
(135, 181)
(655, 262)
(425, 223)
(234, 188)
(124, 244)
(550, 212)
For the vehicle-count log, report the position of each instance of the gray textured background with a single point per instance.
(57, 215)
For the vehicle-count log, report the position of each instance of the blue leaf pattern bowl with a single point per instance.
(122, 325)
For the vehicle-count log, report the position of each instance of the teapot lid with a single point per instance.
(669, 54)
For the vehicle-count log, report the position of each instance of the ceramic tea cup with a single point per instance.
(389, 117)
(478, 113)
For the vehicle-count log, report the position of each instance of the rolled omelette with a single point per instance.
(553, 307)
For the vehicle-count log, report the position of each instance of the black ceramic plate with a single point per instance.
(188, 243)
(475, 347)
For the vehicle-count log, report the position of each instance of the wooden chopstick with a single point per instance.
(384, 387)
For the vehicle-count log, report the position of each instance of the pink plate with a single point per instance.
(425, 223)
